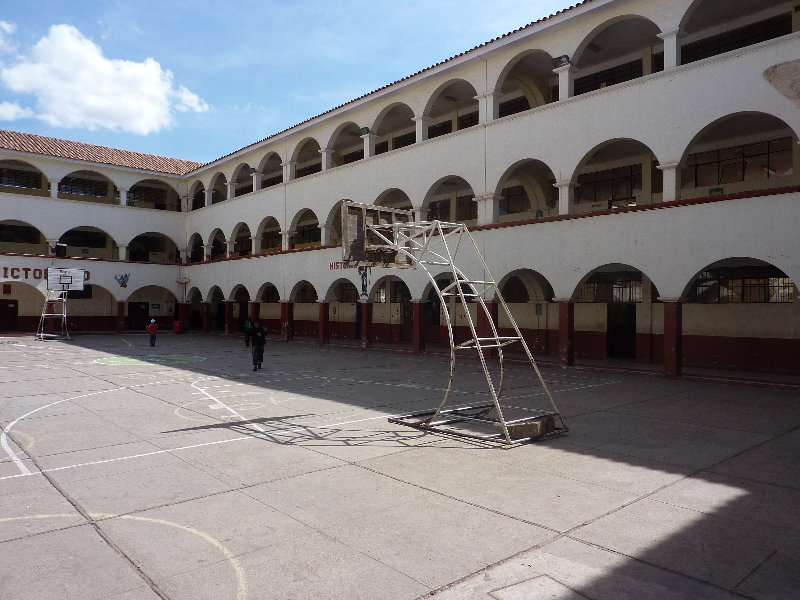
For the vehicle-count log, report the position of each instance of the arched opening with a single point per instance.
(151, 302)
(219, 246)
(306, 310)
(306, 232)
(242, 180)
(270, 236)
(617, 174)
(739, 153)
(196, 249)
(153, 247)
(219, 189)
(394, 198)
(308, 159)
(453, 108)
(154, 194)
(18, 177)
(343, 311)
(88, 186)
(347, 145)
(526, 83)
(738, 314)
(451, 199)
(241, 304)
(613, 304)
(198, 197)
(618, 51)
(242, 244)
(216, 300)
(269, 307)
(271, 171)
(528, 296)
(89, 242)
(393, 311)
(18, 237)
(526, 191)
(394, 129)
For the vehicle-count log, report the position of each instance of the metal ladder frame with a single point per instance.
(425, 244)
(54, 298)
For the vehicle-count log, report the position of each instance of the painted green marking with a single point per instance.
(155, 359)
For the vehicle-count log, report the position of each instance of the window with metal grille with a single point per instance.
(404, 140)
(622, 286)
(607, 77)
(610, 185)
(466, 209)
(20, 179)
(270, 181)
(737, 38)
(438, 129)
(514, 200)
(308, 170)
(307, 234)
(513, 106)
(761, 160)
(83, 187)
(741, 285)
(353, 156)
(468, 120)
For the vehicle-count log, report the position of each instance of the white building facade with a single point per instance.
(630, 169)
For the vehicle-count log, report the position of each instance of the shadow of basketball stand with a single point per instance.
(59, 283)
(374, 236)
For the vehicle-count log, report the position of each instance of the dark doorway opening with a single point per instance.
(138, 315)
(621, 334)
(9, 310)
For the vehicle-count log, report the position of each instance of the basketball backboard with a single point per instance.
(364, 248)
(65, 280)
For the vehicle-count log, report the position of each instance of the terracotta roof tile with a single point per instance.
(37, 144)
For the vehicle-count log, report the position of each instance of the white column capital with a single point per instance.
(566, 183)
(672, 32)
(668, 165)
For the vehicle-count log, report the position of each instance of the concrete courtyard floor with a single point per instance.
(134, 473)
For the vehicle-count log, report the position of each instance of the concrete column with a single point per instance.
(206, 312)
(418, 331)
(255, 311)
(255, 245)
(53, 189)
(566, 197)
(257, 177)
(673, 335)
(488, 208)
(366, 324)
(369, 144)
(209, 196)
(231, 190)
(184, 252)
(324, 324)
(120, 317)
(324, 235)
(488, 104)
(184, 203)
(285, 239)
(327, 156)
(123, 196)
(289, 170)
(671, 189)
(229, 248)
(566, 81)
(287, 321)
(229, 328)
(672, 47)
(123, 251)
(566, 332)
(422, 128)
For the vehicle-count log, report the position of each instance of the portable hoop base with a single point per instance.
(469, 421)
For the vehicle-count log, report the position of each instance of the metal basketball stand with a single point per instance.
(386, 237)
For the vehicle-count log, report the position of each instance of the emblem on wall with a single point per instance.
(122, 279)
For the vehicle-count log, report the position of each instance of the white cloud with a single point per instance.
(6, 31)
(10, 111)
(76, 86)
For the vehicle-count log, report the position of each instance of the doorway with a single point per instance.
(138, 315)
(9, 310)
(621, 330)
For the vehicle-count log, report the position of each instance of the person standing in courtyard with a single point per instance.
(152, 328)
(258, 336)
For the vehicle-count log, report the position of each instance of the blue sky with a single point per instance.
(198, 80)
